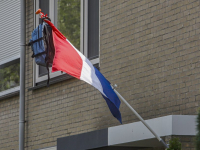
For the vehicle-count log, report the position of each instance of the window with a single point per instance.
(41, 72)
(9, 75)
(9, 48)
(78, 21)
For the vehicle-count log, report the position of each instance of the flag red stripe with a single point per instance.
(69, 60)
(66, 58)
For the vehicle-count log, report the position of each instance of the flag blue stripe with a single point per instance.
(111, 98)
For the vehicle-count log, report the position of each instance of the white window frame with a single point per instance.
(49, 148)
(14, 89)
(83, 35)
(38, 79)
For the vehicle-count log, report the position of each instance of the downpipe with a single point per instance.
(22, 74)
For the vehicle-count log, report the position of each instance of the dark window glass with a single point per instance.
(93, 29)
(9, 76)
(44, 5)
(42, 71)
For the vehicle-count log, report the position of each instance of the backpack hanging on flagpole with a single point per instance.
(42, 44)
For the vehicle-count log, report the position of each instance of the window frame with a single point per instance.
(84, 31)
(37, 78)
(83, 38)
(14, 90)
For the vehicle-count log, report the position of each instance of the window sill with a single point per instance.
(10, 92)
(51, 81)
(55, 80)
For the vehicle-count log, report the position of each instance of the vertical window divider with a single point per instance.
(85, 50)
(82, 27)
(34, 28)
(99, 31)
(51, 13)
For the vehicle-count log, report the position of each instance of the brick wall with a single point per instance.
(149, 48)
(9, 123)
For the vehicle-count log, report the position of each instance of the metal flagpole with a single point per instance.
(141, 119)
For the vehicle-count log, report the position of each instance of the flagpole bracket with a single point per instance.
(166, 145)
(114, 86)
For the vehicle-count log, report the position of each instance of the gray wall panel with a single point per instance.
(89, 140)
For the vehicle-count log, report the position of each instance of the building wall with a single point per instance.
(150, 49)
(9, 123)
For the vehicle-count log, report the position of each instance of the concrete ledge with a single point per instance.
(10, 92)
(136, 134)
(131, 135)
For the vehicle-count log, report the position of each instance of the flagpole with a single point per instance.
(141, 119)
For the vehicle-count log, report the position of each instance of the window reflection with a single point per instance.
(9, 76)
(67, 20)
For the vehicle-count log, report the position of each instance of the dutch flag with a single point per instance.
(68, 59)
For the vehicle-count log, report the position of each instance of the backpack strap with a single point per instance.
(47, 66)
(46, 40)
(35, 55)
(31, 43)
